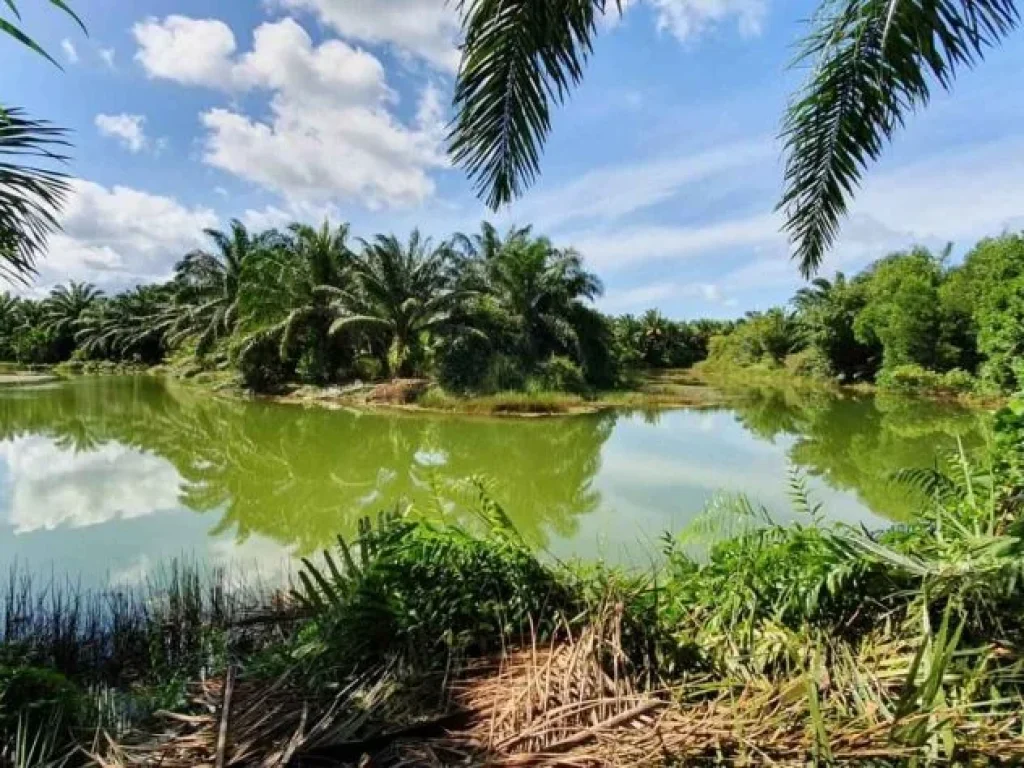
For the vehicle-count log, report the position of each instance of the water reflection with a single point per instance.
(105, 474)
(856, 443)
(296, 476)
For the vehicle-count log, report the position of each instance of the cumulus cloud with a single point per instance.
(688, 19)
(127, 129)
(188, 51)
(118, 237)
(54, 487)
(70, 52)
(331, 134)
(424, 29)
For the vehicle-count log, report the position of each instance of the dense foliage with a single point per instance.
(480, 313)
(911, 320)
(815, 641)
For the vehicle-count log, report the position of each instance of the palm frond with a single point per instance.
(364, 322)
(874, 63)
(31, 195)
(519, 57)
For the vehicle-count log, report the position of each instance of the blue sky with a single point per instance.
(663, 170)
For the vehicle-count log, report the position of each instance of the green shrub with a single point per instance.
(424, 590)
(912, 378)
(909, 378)
(36, 694)
(810, 363)
(503, 373)
(463, 362)
(959, 381)
(259, 364)
(560, 374)
(367, 368)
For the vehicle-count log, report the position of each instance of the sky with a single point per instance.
(663, 169)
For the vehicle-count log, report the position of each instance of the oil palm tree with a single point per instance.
(130, 326)
(400, 293)
(475, 250)
(541, 291)
(32, 193)
(61, 311)
(208, 283)
(874, 62)
(286, 293)
(66, 303)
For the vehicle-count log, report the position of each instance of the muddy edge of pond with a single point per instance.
(26, 379)
(392, 397)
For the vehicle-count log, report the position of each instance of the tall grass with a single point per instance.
(810, 642)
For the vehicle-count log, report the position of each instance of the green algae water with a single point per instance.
(103, 479)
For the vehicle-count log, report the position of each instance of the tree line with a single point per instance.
(909, 320)
(480, 312)
(490, 311)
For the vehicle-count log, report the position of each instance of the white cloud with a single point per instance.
(54, 487)
(618, 249)
(426, 29)
(128, 129)
(107, 54)
(618, 190)
(688, 19)
(330, 134)
(70, 52)
(118, 237)
(188, 51)
(643, 297)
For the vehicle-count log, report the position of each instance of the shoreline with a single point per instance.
(695, 388)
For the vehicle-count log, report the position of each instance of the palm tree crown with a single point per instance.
(209, 282)
(401, 292)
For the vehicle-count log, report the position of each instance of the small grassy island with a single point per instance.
(503, 324)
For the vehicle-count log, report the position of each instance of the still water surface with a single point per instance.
(105, 478)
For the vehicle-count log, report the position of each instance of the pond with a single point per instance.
(103, 479)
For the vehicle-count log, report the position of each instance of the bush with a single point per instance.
(810, 363)
(35, 694)
(503, 373)
(959, 381)
(912, 378)
(428, 589)
(367, 368)
(560, 374)
(463, 362)
(260, 365)
(909, 378)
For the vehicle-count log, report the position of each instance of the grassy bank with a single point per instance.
(908, 382)
(649, 393)
(428, 642)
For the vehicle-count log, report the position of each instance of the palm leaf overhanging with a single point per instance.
(32, 192)
(874, 62)
(31, 195)
(520, 56)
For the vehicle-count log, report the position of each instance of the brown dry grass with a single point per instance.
(575, 702)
